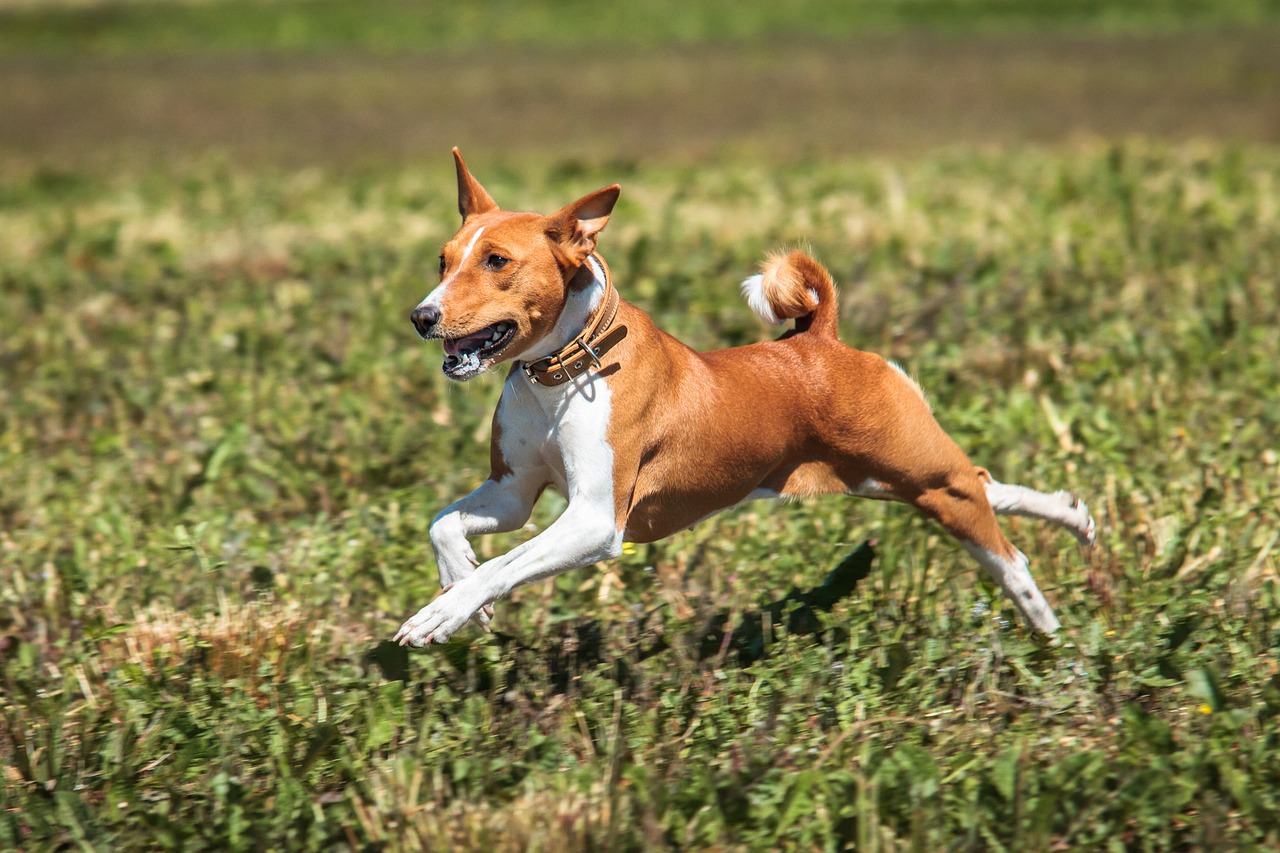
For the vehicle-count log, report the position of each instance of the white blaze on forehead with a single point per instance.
(436, 296)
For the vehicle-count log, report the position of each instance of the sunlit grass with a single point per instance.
(221, 445)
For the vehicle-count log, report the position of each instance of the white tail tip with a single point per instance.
(753, 292)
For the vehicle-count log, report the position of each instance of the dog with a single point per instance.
(646, 437)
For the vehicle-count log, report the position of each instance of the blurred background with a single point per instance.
(296, 82)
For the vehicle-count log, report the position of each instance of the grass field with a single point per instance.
(221, 445)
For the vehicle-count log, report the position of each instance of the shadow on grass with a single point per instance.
(583, 647)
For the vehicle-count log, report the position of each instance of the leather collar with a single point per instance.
(576, 357)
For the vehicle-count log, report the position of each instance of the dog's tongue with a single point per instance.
(472, 341)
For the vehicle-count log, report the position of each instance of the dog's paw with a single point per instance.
(440, 620)
(1084, 527)
(481, 617)
(1090, 536)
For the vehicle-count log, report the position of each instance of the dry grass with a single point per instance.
(547, 818)
(231, 642)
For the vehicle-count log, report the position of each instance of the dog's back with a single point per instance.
(798, 416)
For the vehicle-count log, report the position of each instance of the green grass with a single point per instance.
(38, 26)
(221, 445)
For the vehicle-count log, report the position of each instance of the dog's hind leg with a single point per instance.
(963, 509)
(1062, 508)
(1011, 571)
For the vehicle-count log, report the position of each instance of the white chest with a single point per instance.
(563, 429)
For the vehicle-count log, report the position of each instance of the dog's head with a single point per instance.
(505, 277)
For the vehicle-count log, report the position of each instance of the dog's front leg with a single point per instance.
(578, 538)
(497, 506)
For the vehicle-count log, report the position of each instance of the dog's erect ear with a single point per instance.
(472, 198)
(575, 227)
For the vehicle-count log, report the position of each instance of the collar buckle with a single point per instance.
(586, 347)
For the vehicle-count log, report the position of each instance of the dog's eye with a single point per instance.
(442, 265)
(496, 262)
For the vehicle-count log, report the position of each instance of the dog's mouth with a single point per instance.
(473, 354)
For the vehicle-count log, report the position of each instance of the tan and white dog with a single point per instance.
(646, 437)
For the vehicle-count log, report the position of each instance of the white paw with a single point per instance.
(481, 617)
(1085, 529)
(441, 619)
(1091, 530)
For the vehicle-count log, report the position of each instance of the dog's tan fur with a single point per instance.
(688, 433)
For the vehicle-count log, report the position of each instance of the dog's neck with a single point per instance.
(583, 296)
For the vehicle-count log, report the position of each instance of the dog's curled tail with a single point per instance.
(794, 287)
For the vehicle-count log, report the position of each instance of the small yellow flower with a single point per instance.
(628, 549)
(1204, 709)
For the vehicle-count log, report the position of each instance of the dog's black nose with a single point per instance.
(424, 317)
